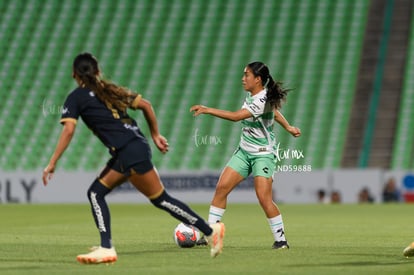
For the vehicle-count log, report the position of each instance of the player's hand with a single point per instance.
(161, 143)
(198, 110)
(48, 173)
(294, 131)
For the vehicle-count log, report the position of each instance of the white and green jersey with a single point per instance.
(257, 136)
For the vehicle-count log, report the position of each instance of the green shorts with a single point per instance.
(258, 165)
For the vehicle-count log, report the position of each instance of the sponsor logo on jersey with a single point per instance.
(131, 127)
(254, 107)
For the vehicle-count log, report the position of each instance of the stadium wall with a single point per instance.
(290, 187)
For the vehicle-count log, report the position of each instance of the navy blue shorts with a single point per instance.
(133, 158)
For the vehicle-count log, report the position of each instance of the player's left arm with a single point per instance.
(229, 115)
(149, 114)
(279, 118)
(63, 142)
(135, 102)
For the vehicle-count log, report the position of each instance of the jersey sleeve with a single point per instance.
(257, 106)
(70, 110)
(135, 102)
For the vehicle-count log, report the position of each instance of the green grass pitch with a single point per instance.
(324, 239)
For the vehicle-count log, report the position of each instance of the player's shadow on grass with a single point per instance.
(354, 264)
(388, 261)
(26, 265)
(22, 268)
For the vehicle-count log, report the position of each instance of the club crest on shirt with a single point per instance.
(65, 110)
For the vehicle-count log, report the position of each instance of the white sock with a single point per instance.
(276, 226)
(215, 214)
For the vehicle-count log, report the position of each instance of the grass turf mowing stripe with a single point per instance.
(324, 239)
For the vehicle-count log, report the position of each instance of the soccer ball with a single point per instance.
(186, 235)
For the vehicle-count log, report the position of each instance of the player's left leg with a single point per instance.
(263, 168)
(263, 187)
(102, 186)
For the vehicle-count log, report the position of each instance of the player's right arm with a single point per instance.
(146, 107)
(224, 114)
(63, 142)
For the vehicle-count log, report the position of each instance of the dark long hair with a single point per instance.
(276, 93)
(85, 66)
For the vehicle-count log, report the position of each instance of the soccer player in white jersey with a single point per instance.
(256, 152)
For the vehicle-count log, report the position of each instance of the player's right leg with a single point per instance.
(150, 185)
(236, 170)
(229, 179)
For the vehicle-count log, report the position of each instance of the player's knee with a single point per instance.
(157, 201)
(90, 191)
(166, 202)
(222, 191)
(265, 200)
(97, 190)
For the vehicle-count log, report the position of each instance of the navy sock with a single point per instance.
(100, 211)
(182, 212)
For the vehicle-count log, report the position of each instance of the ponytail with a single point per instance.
(85, 67)
(276, 93)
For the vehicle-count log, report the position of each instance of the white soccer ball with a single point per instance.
(186, 235)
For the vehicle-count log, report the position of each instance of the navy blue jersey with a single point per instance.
(113, 127)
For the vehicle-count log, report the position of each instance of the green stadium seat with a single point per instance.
(178, 55)
(402, 157)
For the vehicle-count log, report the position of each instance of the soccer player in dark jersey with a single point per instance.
(102, 105)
